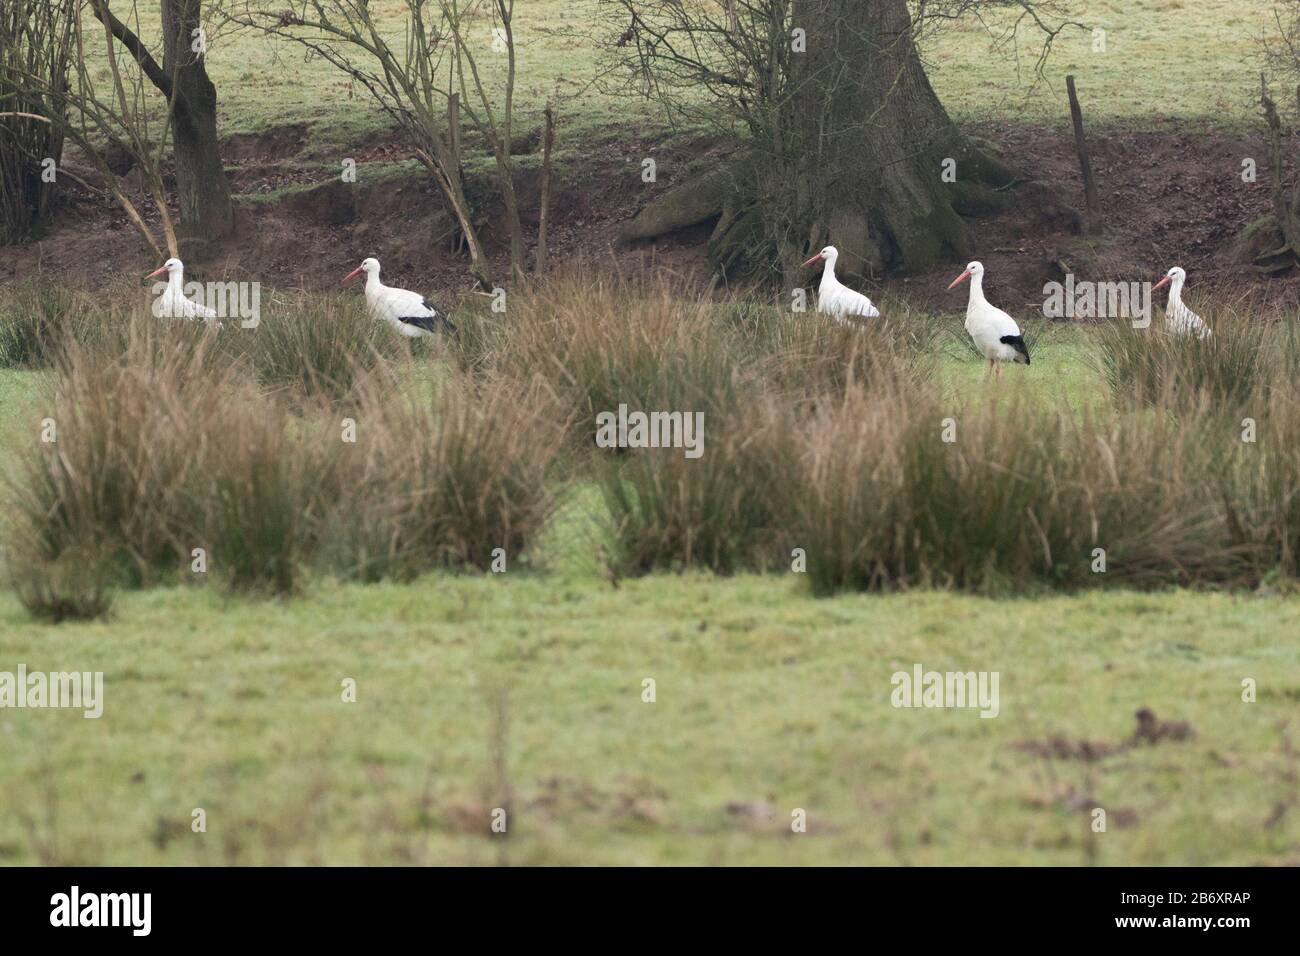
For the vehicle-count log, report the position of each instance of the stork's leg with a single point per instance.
(997, 371)
(988, 370)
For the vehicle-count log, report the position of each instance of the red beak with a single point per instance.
(158, 271)
(351, 275)
(959, 278)
(1162, 282)
(816, 258)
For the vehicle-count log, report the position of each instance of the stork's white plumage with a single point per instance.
(171, 303)
(995, 334)
(405, 311)
(836, 299)
(1179, 319)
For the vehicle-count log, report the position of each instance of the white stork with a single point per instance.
(995, 334)
(172, 304)
(834, 297)
(407, 312)
(1179, 319)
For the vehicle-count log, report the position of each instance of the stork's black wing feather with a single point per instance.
(447, 323)
(1017, 342)
(429, 323)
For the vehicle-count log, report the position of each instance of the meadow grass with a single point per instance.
(767, 699)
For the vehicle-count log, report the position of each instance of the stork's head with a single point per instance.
(829, 254)
(171, 267)
(974, 270)
(1176, 275)
(369, 266)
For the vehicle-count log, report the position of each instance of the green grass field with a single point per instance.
(766, 701)
(524, 691)
(1163, 61)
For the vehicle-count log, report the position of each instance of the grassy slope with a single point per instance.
(1188, 65)
(766, 698)
(1164, 60)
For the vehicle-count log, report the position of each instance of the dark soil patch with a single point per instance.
(1168, 198)
(273, 145)
(1148, 730)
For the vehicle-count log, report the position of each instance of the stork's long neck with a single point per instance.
(373, 285)
(828, 274)
(176, 282)
(977, 290)
(1176, 290)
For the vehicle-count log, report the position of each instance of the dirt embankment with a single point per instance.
(1167, 199)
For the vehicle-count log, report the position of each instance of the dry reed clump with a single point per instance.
(727, 510)
(165, 463)
(596, 342)
(75, 587)
(1018, 498)
(1242, 358)
(1257, 477)
(601, 343)
(319, 346)
(160, 459)
(34, 317)
(808, 358)
(120, 455)
(306, 345)
(39, 318)
(441, 481)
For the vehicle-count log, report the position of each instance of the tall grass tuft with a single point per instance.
(39, 320)
(1018, 498)
(318, 345)
(1229, 368)
(480, 333)
(441, 482)
(727, 510)
(73, 588)
(598, 341)
(1258, 478)
(156, 451)
(117, 479)
(259, 492)
(807, 357)
(35, 319)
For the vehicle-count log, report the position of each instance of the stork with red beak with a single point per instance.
(995, 334)
(836, 299)
(407, 312)
(171, 302)
(1179, 319)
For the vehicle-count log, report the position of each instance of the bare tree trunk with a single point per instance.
(544, 203)
(451, 189)
(882, 162)
(151, 178)
(1271, 244)
(510, 199)
(206, 208)
(201, 186)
